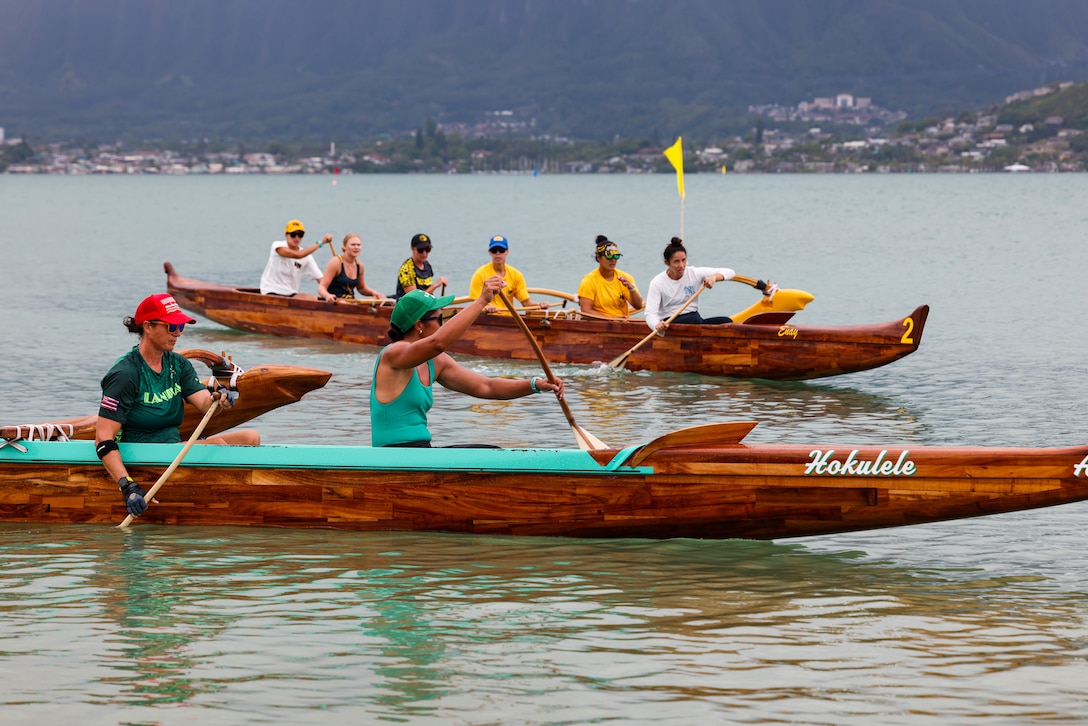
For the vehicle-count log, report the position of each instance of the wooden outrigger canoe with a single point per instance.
(701, 482)
(766, 345)
(260, 390)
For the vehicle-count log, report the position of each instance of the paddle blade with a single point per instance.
(619, 361)
(587, 441)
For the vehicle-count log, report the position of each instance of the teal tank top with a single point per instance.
(404, 418)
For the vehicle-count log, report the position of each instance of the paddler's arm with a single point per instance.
(527, 302)
(332, 268)
(365, 289)
(306, 251)
(438, 283)
(409, 355)
(455, 377)
(107, 430)
(636, 297)
(653, 308)
(202, 399)
(105, 444)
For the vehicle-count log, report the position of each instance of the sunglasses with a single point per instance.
(423, 249)
(300, 235)
(613, 256)
(174, 327)
(429, 318)
(497, 250)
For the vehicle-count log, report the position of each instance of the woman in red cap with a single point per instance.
(143, 394)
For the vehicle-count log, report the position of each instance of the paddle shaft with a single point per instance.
(618, 362)
(177, 459)
(536, 349)
(580, 434)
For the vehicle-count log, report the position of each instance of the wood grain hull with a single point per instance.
(260, 389)
(777, 352)
(681, 489)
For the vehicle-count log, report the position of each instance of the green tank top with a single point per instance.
(404, 418)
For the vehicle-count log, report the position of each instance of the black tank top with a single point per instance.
(342, 285)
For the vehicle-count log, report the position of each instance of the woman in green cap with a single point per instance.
(400, 391)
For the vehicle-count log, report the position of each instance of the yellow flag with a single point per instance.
(675, 155)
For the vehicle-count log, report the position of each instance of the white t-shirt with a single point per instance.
(666, 295)
(283, 275)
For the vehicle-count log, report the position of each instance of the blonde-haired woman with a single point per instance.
(344, 274)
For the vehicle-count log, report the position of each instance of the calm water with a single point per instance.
(981, 618)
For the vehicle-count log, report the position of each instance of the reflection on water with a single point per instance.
(437, 627)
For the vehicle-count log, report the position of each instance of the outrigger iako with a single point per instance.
(699, 482)
(761, 343)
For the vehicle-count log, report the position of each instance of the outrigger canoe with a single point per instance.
(260, 389)
(765, 345)
(701, 482)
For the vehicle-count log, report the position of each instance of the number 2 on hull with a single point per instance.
(908, 323)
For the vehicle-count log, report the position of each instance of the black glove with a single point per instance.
(133, 496)
(228, 398)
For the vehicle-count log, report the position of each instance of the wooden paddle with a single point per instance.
(621, 361)
(586, 441)
(177, 460)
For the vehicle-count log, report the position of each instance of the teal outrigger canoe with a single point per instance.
(699, 482)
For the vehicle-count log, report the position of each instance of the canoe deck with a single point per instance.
(776, 351)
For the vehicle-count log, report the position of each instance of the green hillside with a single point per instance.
(1069, 104)
(595, 69)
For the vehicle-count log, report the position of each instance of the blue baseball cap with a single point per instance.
(498, 241)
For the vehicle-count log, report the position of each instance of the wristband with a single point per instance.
(123, 481)
(532, 384)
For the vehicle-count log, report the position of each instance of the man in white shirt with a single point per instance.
(289, 261)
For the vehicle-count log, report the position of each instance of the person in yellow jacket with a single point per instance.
(513, 281)
(607, 290)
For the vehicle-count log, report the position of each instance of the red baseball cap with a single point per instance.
(161, 307)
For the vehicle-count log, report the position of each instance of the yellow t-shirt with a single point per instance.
(609, 297)
(514, 288)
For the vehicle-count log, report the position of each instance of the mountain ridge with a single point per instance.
(592, 69)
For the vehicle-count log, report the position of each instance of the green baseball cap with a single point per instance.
(414, 306)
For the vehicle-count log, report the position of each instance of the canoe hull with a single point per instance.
(776, 352)
(261, 389)
(709, 490)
